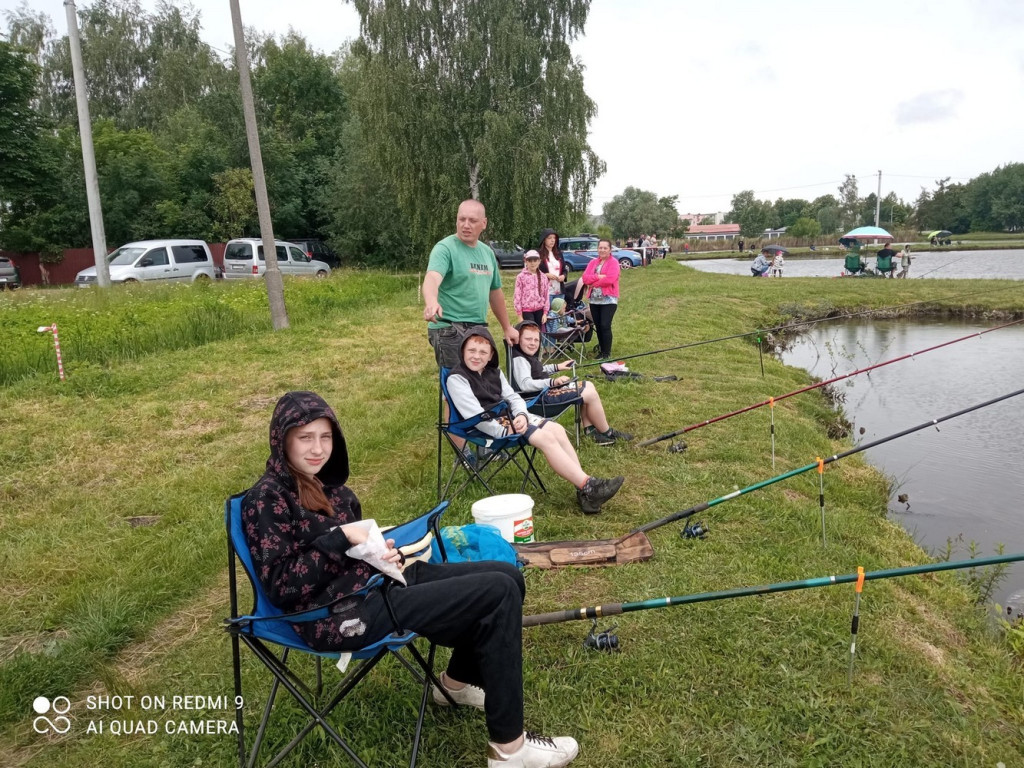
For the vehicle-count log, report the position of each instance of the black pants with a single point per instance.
(535, 315)
(477, 610)
(603, 314)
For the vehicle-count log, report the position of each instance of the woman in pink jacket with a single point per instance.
(602, 280)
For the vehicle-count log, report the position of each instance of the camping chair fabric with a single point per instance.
(266, 625)
(535, 405)
(493, 454)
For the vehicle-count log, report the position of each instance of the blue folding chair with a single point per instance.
(498, 452)
(535, 405)
(266, 630)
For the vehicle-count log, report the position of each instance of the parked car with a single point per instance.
(583, 242)
(316, 248)
(508, 254)
(182, 260)
(627, 259)
(9, 275)
(243, 258)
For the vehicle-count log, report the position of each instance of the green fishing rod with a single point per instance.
(815, 464)
(614, 609)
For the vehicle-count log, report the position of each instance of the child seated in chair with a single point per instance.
(298, 526)
(477, 385)
(529, 377)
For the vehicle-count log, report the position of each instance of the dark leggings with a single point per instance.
(603, 314)
(535, 315)
(477, 610)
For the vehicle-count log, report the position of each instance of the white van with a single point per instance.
(239, 261)
(182, 260)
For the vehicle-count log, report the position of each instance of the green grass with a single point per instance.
(91, 604)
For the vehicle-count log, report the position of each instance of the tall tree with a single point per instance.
(849, 203)
(485, 100)
(639, 212)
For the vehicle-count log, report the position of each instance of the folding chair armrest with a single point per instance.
(377, 581)
(415, 529)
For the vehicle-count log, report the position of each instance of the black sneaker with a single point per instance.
(620, 435)
(602, 438)
(583, 497)
(603, 489)
(596, 492)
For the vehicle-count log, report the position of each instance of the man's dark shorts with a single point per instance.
(447, 341)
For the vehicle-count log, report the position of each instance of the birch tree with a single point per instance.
(477, 99)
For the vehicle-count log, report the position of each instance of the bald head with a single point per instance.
(471, 221)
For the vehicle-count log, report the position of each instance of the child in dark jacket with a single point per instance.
(529, 376)
(299, 525)
(477, 385)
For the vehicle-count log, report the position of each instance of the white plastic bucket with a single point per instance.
(510, 513)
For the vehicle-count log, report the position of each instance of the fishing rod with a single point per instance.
(943, 266)
(820, 462)
(772, 400)
(800, 324)
(614, 609)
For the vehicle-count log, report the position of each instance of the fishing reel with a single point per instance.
(677, 447)
(601, 641)
(695, 530)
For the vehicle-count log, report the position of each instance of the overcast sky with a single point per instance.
(704, 99)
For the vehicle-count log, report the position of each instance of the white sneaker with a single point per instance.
(468, 695)
(537, 752)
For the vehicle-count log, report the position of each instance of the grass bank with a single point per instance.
(94, 602)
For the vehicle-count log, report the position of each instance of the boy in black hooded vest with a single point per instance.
(477, 385)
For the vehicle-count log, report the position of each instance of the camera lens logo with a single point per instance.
(61, 705)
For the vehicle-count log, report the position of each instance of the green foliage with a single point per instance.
(639, 212)
(234, 204)
(849, 204)
(21, 144)
(477, 100)
(804, 227)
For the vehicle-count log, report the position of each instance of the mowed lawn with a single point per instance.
(95, 603)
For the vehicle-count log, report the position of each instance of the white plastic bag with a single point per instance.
(373, 551)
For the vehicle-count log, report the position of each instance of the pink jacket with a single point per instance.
(607, 281)
(531, 292)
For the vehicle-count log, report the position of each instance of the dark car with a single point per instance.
(508, 254)
(317, 249)
(9, 275)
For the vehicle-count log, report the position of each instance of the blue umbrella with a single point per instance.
(864, 233)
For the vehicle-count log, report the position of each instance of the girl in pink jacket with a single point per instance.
(531, 298)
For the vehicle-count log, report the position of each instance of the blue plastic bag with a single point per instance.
(472, 543)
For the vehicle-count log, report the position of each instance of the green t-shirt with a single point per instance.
(468, 275)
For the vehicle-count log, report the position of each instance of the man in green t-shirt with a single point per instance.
(462, 280)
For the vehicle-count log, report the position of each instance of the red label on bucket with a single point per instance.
(522, 530)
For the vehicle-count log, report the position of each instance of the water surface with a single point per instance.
(964, 478)
(960, 265)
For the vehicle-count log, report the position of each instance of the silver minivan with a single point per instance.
(243, 258)
(181, 260)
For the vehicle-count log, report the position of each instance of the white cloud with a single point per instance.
(930, 107)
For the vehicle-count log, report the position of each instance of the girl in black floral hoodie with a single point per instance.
(296, 526)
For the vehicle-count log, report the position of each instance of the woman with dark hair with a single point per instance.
(602, 280)
(551, 262)
(300, 522)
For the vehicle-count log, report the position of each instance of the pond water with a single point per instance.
(960, 265)
(963, 478)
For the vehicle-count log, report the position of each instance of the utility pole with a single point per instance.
(275, 285)
(92, 183)
(878, 199)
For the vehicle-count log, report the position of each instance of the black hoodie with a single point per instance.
(488, 389)
(544, 253)
(299, 554)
